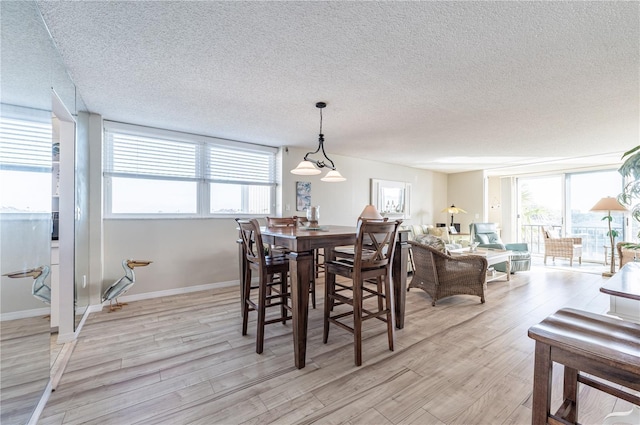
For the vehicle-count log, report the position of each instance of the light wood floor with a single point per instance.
(183, 360)
(24, 369)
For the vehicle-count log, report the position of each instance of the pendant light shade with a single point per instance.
(305, 168)
(311, 167)
(333, 176)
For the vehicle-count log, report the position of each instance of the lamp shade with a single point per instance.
(608, 204)
(333, 176)
(370, 213)
(305, 168)
(453, 210)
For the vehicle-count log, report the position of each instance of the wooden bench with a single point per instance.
(597, 345)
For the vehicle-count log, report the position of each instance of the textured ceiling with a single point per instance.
(448, 86)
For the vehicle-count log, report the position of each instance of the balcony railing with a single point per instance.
(594, 239)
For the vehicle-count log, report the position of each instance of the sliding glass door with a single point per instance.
(583, 191)
(563, 201)
(540, 203)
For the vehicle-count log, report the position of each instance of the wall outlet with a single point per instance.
(84, 280)
(287, 207)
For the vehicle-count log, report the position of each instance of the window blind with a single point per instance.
(136, 155)
(25, 144)
(232, 165)
(131, 152)
(154, 172)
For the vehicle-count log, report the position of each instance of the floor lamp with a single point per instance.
(609, 204)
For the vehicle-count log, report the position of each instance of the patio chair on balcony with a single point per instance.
(555, 246)
(627, 255)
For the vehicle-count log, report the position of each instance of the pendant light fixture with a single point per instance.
(311, 167)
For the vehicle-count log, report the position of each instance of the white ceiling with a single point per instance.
(447, 86)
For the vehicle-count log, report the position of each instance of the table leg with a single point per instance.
(399, 274)
(300, 273)
(508, 269)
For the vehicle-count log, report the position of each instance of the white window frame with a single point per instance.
(203, 180)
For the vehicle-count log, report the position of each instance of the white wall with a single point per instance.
(494, 200)
(184, 252)
(466, 191)
(188, 253)
(341, 203)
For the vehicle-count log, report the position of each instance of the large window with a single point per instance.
(564, 202)
(160, 173)
(25, 165)
(583, 191)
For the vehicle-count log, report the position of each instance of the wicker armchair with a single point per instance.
(440, 275)
(627, 255)
(555, 246)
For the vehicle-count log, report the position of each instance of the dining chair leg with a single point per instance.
(313, 291)
(283, 297)
(358, 283)
(390, 304)
(328, 290)
(245, 304)
(379, 296)
(262, 300)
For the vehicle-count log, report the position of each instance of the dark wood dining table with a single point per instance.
(301, 244)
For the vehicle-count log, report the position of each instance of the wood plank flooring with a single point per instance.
(24, 369)
(183, 360)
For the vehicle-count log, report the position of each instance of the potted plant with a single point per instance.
(630, 197)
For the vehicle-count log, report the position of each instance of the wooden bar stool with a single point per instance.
(370, 271)
(272, 287)
(598, 345)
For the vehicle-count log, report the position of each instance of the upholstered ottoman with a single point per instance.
(520, 261)
(520, 258)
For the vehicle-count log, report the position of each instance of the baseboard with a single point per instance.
(24, 314)
(176, 291)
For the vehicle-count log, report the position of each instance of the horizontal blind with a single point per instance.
(25, 144)
(136, 155)
(226, 164)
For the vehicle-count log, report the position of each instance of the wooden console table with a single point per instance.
(624, 302)
(624, 291)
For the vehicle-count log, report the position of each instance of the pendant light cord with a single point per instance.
(320, 163)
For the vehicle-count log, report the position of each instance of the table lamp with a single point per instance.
(609, 204)
(453, 210)
(370, 213)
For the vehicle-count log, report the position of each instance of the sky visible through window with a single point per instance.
(27, 192)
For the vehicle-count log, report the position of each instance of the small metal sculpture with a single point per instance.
(123, 284)
(39, 289)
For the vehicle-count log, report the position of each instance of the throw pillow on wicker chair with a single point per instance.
(551, 233)
(433, 242)
(440, 232)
